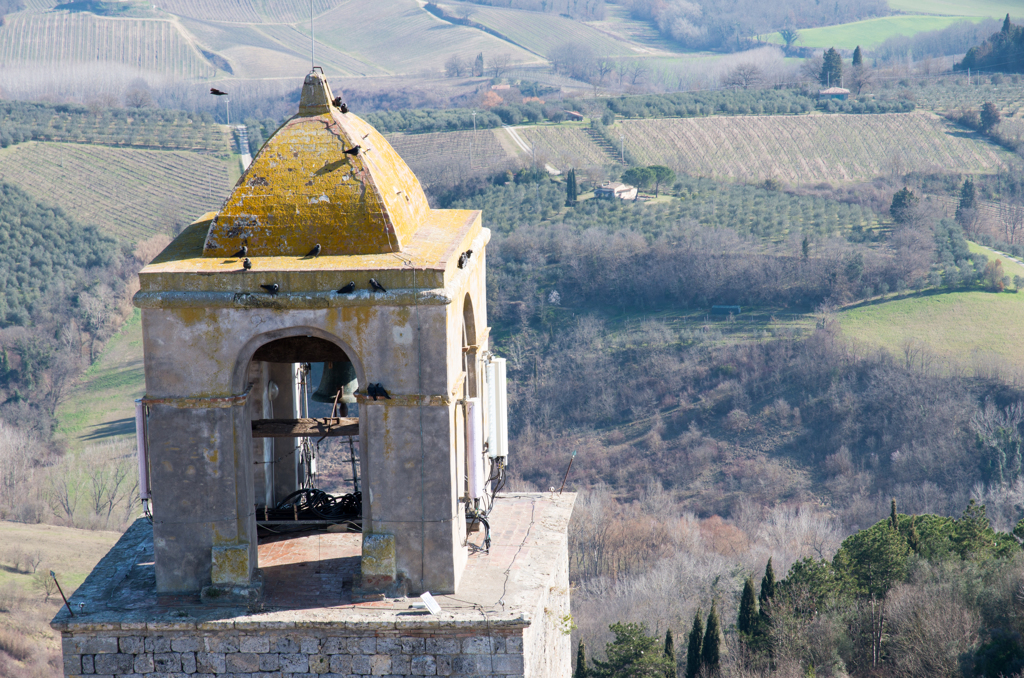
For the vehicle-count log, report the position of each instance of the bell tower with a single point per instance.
(326, 252)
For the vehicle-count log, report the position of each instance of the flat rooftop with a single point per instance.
(308, 580)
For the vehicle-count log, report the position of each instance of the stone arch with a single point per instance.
(248, 350)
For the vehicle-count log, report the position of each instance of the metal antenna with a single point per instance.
(312, 38)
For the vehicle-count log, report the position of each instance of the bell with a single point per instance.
(339, 376)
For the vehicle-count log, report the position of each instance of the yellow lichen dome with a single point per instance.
(303, 189)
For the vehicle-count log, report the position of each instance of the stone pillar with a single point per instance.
(411, 458)
(204, 525)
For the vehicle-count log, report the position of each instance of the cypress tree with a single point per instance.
(694, 645)
(581, 662)
(746, 622)
(1006, 23)
(968, 195)
(767, 585)
(710, 651)
(894, 520)
(670, 654)
(913, 540)
(858, 58)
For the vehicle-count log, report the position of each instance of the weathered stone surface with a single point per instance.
(294, 663)
(257, 644)
(242, 662)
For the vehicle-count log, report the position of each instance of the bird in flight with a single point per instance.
(315, 252)
(246, 264)
(241, 253)
(376, 285)
(348, 289)
(354, 150)
(217, 93)
(271, 288)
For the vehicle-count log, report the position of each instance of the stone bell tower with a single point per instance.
(326, 250)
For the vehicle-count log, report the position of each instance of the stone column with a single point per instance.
(204, 525)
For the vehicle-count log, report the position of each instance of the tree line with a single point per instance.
(1002, 51)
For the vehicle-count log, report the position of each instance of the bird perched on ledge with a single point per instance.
(246, 264)
(348, 289)
(339, 104)
(272, 289)
(354, 150)
(377, 287)
(217, 93)
(377, 391)
(242, 252)
(315, 252)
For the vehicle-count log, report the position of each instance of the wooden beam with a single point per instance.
(305, 428)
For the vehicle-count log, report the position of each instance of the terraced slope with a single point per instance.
(130, 193)
(60, 38)
(809, 148)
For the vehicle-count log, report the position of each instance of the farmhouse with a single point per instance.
(837, 93)
(326, 253)
(615, 189)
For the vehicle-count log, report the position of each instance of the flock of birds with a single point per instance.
(274, 288)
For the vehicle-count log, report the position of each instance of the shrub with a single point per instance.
(16, 645)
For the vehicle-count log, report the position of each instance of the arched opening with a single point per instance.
(304, 435)
(307, 467)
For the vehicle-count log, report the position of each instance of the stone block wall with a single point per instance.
(272, 654)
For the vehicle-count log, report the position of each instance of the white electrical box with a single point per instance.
(497, 409)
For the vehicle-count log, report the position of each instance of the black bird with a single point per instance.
(464, 258)
(246, 264)
(315, 252)
(354, 150)
(376, 285)
(217, 93)
(377, 391)
(348, 289)
(241, 253)
(339, 104)
(271, 288)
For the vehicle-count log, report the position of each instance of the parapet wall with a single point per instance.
(273, 654)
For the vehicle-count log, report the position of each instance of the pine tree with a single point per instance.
(581, 662)
(858, 58)
(710, 651)
(694, 645)
(670, 654)
(903, 204)
(746, 621)
(832, 68)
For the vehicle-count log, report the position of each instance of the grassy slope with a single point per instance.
(103, 404)
(127, 192)
(870, 32)
(69, 552)
(993, 8)
(958, 326)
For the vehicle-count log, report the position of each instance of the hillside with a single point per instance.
(799, 149)
(126, 192)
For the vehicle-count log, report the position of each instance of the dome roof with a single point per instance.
(324, 178)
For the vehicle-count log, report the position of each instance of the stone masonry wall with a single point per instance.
(270, 654)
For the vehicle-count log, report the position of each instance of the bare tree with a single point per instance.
(138, 98)
(1011, 215)
(745, 76)
(455, 67)
(500, 64)
(638, 71)
(574, 59)
(789, 35)
(860, 77)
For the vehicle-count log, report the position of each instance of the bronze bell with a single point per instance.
(337, 376)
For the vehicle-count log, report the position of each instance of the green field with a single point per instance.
(103, 404)
(996, 9)
(130, 193)
(972, 329)
(807, 148)
(871, 32)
